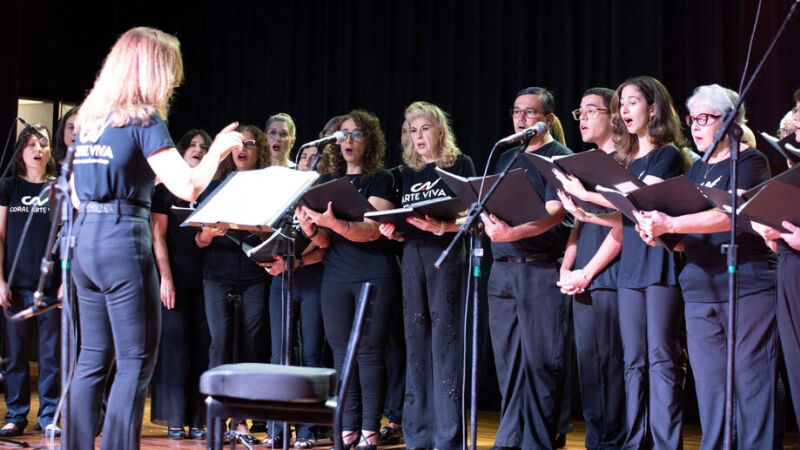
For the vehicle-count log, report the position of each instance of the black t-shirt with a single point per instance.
(224, 260)
(353, 262)
(642, 265)
(20, 196)
(427, 185)
(551, 241)
(185, 258)
(704, 279)
(115, 167)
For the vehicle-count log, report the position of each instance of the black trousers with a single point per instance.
(649, 324)
(19, 337)
(789, 322)
(595, 314)
(365, 396)
(528, 323)
(433, 314)
(220, 316)
(395, 367)
(120, 319)
(754, 381)
(182, 358)
(307, 310)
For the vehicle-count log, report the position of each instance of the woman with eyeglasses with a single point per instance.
(306, 292)
(230, 276)
(32, 168)
(704, 283)
(433, 300)
(358, 253)
(648, 140)
(183, 349)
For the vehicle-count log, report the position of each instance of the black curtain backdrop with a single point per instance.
(245, 60)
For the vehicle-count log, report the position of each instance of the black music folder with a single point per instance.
(515, 201)
(789, 153)
(676, 196)
(181, 212)
(593, 167)
(770, 203)
(348, 203)
(442, 208)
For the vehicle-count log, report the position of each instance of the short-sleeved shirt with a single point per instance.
(418, 186)
(20, 197)
(224, 260)
(185, 257)
(552, 241)
(642, 265)
(704, 279)
(115, 166)
(353, 262)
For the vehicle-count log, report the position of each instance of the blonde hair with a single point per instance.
(137, 80)
(557, 131)
(282, 117)
(448, 150)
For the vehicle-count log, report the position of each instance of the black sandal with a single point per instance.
(303, 442)
(365, 440)
(273, 441)
(391, 436)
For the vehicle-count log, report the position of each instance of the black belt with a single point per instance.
(525, 259)
(117, 207)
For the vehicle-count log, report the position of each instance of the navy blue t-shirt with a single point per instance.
(427, 185)
(224, 260)
(20, 196)
(704, 279)
(642, 265)
(115, 167)
(551, 241)
(185, 257)
(354, 262)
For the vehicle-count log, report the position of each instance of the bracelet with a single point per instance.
(346, 228)
(441, 230)
(316, 230)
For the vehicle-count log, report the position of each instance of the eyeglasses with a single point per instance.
(249, 144)
(525, 113)
(590, 112)
(701, 119)
(272, 134)
(355, 135)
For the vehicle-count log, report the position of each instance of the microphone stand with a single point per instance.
(734, 133)
(476, 253)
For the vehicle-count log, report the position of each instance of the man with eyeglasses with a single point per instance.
(527, 312)
(589, 272)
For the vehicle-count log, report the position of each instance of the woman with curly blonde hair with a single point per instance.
(432, 299)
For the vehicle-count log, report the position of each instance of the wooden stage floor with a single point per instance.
(154, 436)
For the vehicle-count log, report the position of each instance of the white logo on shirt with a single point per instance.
(423, 191)
(35, 201)
(95, 153)
(712, 183)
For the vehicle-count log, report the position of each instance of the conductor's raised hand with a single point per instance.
(497, 229)
(387, 229)
(225, 141)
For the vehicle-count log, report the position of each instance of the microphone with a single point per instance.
(336, 138)
(524, 135)
(35, 131)
(34, 310)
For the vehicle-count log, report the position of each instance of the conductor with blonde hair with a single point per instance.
(121, 146)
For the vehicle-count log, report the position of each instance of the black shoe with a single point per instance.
(364, 444)
(258, 427)
(37, 427)
(52, 430)
(175, 433)
(197, 433)
(561, 440)
(13, 430)
(273, 441)
(248, 439)
(391, 436)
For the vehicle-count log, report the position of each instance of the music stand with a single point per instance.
(231, 206)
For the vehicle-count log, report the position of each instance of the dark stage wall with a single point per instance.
(245, 60)
(314, 59)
